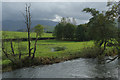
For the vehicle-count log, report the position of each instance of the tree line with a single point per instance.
(67, 29)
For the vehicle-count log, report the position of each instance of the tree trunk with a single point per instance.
(20, 55)
(101, 43)
(29, 42)
(12, 48)
(35, 46)
(5, 52)
(19, 50)
(28, 23)
(7, 56)
(105, 45)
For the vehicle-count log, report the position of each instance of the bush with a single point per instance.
(91, 52)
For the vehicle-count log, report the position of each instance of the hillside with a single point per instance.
(19, 25)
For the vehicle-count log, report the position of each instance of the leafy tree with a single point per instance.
(114, 9)
(81, 32)
(58, 32)
(38, 29)
(93, 11)
(65, 29)
(101, 27)
(68, 32)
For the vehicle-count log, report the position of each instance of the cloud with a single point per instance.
(51, 11)
(57, 18)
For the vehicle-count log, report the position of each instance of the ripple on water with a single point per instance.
(79, 68)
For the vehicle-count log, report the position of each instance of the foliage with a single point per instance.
(65, 30)
(101, 27)
(39, 30)
(81, 32)
(93, 11)
(91, 52)
(69, 31)
(58, 32)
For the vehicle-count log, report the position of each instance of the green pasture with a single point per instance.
(44, 48)
(13, 34)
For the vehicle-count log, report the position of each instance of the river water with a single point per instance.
(79, 68)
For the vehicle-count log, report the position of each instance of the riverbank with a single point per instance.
(77, 68)
(52, 51)
(28, 62)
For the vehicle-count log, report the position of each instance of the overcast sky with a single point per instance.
(51, 11)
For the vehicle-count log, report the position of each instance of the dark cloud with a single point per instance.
(48, 10)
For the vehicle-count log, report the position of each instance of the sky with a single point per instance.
(53, 11)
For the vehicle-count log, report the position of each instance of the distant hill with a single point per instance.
(19, 25)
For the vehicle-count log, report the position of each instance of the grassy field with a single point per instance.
(44, 48)
(13, 34)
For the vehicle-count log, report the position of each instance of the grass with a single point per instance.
(71, 46)
(13, 34)
(44, 47)
(44, 50)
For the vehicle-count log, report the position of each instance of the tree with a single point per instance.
(92, 11)
(58, 32)
(64, 30)
(12, 50)
(69, 31)
(81, 32)
(38, 29)
(27, 17)
(115, 8)
(101, 26)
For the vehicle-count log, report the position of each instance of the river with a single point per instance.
(78, 68)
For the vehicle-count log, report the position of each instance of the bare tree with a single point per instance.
(27, 17)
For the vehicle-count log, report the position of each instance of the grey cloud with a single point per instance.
(46, 10)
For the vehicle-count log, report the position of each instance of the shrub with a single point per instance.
(91, 52)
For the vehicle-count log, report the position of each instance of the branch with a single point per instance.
(110, 60)
(7, 56)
